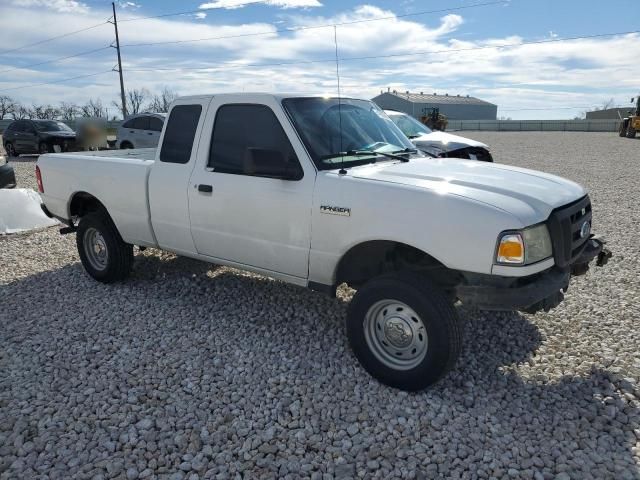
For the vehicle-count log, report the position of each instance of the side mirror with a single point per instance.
(263, 162)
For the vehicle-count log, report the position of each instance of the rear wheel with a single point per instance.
(43, 148)
(631, 132)
(104, 255)
(126, 145)
(403, 330)
(11, 151)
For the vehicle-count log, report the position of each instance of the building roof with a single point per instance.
(613, 110)
(421, 97)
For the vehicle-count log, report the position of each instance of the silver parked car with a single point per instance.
(140, 131)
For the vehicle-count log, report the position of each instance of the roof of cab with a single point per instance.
(277, 96)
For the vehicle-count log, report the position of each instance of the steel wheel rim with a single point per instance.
(395, 334)
(95, 249)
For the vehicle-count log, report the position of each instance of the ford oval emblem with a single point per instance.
(585, 229)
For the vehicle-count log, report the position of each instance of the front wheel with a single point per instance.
(622, 131)
(631, 132)
(104, 255)
(404, 330)
(43, 148)
(11, 151)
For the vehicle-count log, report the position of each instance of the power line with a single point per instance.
(391, 55)
(62, 80)
(87, 52)
(200, 10)
(311, 27)
(46, 40)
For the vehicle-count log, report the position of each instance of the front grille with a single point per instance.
(564, 227)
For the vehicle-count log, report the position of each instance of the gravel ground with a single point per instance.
(192, 371)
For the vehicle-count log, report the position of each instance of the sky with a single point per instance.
(505, 52)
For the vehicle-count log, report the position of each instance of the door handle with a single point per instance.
(205, 188)
(149, 133)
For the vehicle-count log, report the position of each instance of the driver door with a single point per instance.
(248, 218)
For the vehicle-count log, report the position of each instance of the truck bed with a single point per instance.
(116, 178)
(137, 153)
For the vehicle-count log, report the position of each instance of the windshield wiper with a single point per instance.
(368, 153)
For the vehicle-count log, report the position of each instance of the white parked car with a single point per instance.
(140, 131)
(439, 144)
(319, 192)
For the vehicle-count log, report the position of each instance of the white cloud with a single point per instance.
(200, 15)
(232, 4)
(128, 5)
(580, 72)
(56, 5)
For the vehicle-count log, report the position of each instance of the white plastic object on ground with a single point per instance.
(20, 211)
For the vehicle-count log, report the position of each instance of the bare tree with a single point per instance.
(606, 104)
(93, 108)
(20, 112)
(7, 106)
(69, 111)
(135, 100)
(44, 112)
(160, 102)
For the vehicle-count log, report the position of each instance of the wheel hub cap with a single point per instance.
(95, 248)
(395, 334)
(398, 332)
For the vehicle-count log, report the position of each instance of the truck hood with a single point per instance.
(440, 142)
(528, 195)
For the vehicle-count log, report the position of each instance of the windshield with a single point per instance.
(52, 126)
(365, 127)
(411, 127)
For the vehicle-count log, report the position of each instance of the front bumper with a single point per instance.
(542, 291)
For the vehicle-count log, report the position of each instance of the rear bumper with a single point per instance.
(542, 291)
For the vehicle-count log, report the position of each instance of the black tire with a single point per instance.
(43, 148)
(631, 132)
(119, 255)
(622, 131)
(435, 312)
(11, 151)
(125, 145)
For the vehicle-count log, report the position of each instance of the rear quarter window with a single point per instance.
(155, 124)
(180, 133)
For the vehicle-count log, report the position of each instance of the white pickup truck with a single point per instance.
(319, 192)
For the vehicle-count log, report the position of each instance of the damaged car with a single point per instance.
(37, 137)
(439, 144)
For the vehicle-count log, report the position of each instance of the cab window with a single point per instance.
(240, 129)
(180, 133)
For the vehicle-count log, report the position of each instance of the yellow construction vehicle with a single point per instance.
(631, 124)
(433, 119)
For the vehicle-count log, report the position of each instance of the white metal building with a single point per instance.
(455, 107)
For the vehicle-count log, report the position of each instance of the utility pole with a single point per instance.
(122, 96)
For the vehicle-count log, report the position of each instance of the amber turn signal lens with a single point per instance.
(511, 249)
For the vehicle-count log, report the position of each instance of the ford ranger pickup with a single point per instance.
(320, 192)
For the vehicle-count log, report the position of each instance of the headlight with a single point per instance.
(537, 243)
(524, 247)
